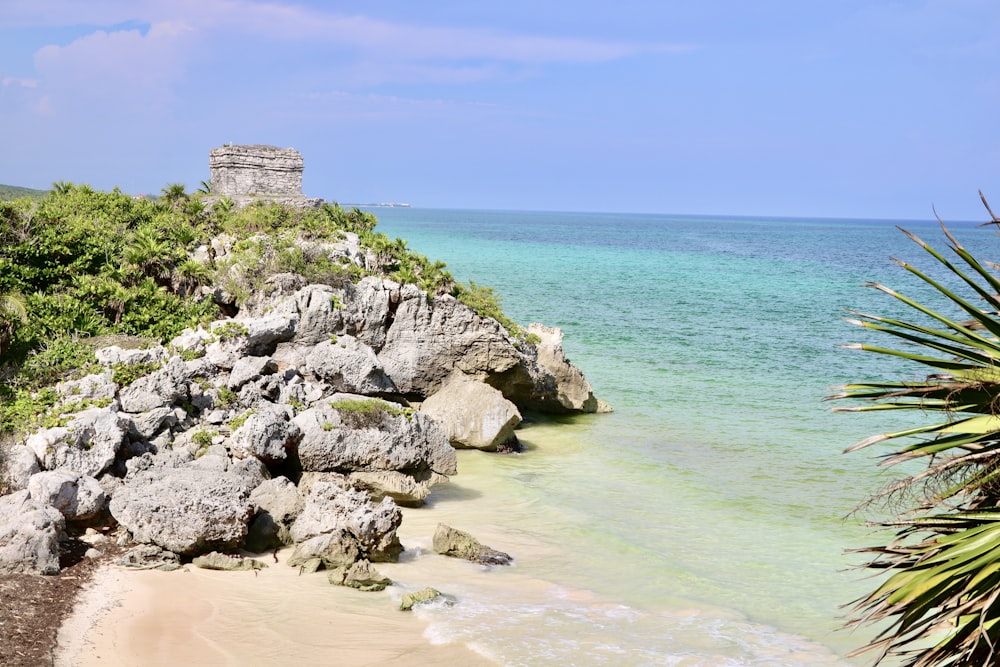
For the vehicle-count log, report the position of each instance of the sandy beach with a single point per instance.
(203, 617)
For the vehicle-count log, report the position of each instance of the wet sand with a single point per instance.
(202, 617)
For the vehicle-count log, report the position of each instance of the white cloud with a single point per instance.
(9, 82)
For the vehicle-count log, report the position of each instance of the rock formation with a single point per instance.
(247, 173)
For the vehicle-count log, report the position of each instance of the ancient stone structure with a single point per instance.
(255, 170)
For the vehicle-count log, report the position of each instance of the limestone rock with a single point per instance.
(278, 504)
(361, 575)
(401, 487)
(17, 466)
(218, 561)
(160, 388)
(475, 415)
(333, 549)
(348, 366)
(573, 392)
(29, 535)
(149, 557)
(329, 508)
(113, 355)
(186, 510)
(458, 544)
(78, 497)
(147, 424)
(87, 445)
(428, 341)
(248, 369)
(266, 434)
(380, 437)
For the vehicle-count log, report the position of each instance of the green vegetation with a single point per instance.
(125, 374)
(940, 601)
(236, 422)
(366, 413)
(8, 192)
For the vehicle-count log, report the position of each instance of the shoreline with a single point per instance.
(204, 617)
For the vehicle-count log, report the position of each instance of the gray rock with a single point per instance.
(334, 549)
(252, 471)
(348, 365)
(361, 575)
(18, 465)
(230, 563)
(319, 317)
(29, 535)
(147, 424)
(149, 557)
(95, 386)
(266, 434)
(401, 487)
(278, 504)
(367, 310)
(110, 356)
(160, 388)
(248, 369)
(428, 341)
(474, 414)
(185, 510)
(458, 544)
(88, 444)
(78, 497)
(573, 392)
(329, 508)
(346, 439)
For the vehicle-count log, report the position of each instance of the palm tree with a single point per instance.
(940, 603)
(13, 310)
(175, 194)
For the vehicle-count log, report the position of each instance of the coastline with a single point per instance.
(204, 617)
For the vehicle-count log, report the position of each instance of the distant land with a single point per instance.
(388, 204)
(15, 192)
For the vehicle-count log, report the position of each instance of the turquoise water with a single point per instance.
(702, 521)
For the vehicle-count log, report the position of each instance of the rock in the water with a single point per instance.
(361, 575)
(475, 415)
(186, 510)
(458, 544)
(329, 508)
(573, 392)
(423, 596)
(78, 497)
(399, 486)
(218, 561)
(29, 535)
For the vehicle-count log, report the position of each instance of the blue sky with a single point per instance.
(773, 107)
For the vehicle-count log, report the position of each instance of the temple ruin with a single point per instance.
(247, 173)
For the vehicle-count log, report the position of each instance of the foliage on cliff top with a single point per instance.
(940, 603)
(79, 263)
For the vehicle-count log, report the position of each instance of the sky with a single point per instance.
(846, 108)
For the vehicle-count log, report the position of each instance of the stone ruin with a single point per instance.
(249, 173)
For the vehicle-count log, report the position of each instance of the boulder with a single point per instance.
(361, 575)
(266, 435)
(78, 497)
(354, 433)
(401, 487)
(368, 310)
(186, 510)
(248, 369)
(160, 388)
(474, 414)
(29, 535)
(348, 365)
(458, 544)
(333, 549)
(19, 463)
(329, 508)
(228, 562)
(87, 445)
(573, 392)
(146, 425)
(96, 386)
(317, 311)
(113, 355)
(427, 341)
(277, 503)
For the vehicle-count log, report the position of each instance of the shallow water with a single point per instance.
(703, 522)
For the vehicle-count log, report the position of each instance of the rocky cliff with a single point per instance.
(303, 420)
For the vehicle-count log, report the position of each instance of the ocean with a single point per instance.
(707, 520)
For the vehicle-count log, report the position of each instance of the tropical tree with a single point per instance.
(12, 311)
(939, 604)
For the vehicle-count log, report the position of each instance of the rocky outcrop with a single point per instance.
(29, 535)
(227, 562)
(350, 515)
(88, 444)
(361, 575)
(475, 415)
(78, 497)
